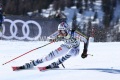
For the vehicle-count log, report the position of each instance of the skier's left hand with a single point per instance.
(84, 54)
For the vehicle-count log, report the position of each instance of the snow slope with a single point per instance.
(103, 65)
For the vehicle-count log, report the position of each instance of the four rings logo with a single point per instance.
(25, 29)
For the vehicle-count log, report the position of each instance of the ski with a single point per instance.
(17, 68)
(43, 69)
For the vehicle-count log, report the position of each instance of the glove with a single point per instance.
(84, 54)
(52, 40)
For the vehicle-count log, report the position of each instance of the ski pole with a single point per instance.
(90, 54)
(26, 53)
(82, 34)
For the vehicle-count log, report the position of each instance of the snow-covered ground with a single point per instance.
(103, 65)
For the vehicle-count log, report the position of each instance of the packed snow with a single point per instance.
(103, 65)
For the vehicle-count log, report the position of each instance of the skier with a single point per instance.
(68, 49)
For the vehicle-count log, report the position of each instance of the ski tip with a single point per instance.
(42, 68)
(15, 68)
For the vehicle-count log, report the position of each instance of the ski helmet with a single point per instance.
(62, 26)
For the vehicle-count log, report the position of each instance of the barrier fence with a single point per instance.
(26, 28)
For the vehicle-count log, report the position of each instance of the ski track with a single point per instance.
(103, 65)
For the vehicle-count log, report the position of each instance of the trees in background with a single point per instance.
(21, 7)
(108, 7)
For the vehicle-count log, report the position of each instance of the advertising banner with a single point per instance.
(27, 28)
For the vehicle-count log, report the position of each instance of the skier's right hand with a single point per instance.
(53, 40)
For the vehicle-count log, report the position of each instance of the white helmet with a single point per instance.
(62, 26)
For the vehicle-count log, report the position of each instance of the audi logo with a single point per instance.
(25, 29)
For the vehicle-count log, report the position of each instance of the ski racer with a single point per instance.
(65, 51)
